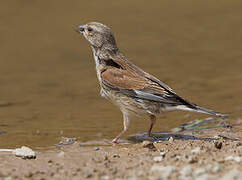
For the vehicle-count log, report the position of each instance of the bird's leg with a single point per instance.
(153, 120)
(126, 126)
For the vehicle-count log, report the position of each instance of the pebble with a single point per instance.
(218, 144)
(24, 152)
(66, 141)
(96, 149)
(239, 144)
(8, 178)
(171, 140)
(196, 150)
(233, 158)
(186, 171)
(87, 175)
(116, 156)
(158, 158)
(105, 178)
(148, 144)
(163, 153)
(237, 159)
(191, 160)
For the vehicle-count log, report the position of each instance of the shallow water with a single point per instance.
(48, 84)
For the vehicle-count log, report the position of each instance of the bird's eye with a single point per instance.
(89, 29)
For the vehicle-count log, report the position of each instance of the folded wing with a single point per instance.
(134, 85)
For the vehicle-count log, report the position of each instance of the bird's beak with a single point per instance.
(80, 28)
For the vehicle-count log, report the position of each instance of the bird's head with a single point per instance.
(98, 35)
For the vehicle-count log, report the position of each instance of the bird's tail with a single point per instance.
(201, 110)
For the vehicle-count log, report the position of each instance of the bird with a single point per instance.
(133, 90)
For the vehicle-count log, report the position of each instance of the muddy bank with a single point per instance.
(215, 153)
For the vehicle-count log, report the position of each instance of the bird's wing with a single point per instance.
(169, 93)
(137, 86)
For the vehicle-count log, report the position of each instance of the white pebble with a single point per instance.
(171, 140)
(232, 158)
(158, 158)
(163, 153)
(24, 152)
(237, 159)
(105, 178)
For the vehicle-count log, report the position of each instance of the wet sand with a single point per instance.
(212, 154)
(48, 83)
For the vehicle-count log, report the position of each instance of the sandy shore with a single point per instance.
(212, 154)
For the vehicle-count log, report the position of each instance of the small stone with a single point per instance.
(24, 152)
(237, 159)
(29, 174)
(229, 158)
(163, 153)
(158, 158)
(8, 178)
(148, 144)
(87, 175)
(239, 144)
(191, 160)
(171, 140)
(218, 144)
(96, 149)
(116, 156)
(106, 158)
(105, 178)
(196, 150)
(232, 158)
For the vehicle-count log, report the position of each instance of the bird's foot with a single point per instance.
(115, 141)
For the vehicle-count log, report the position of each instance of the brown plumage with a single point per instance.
(126, 85)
